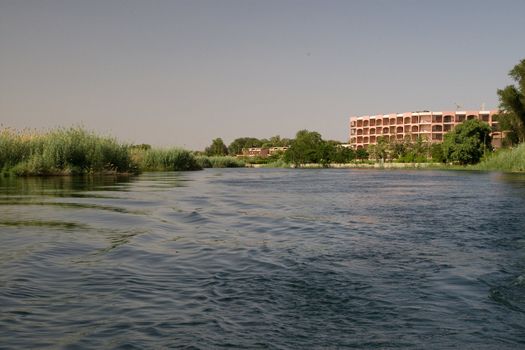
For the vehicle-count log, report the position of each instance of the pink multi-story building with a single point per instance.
(432, 126)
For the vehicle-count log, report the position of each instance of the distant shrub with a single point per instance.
(220, 162)
(166, 159)
(203, 161)
(226, 162)
(280, 163)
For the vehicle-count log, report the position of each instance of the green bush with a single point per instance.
(226, 162)
(505, 160)
(174, 159)
(436, 151)
(467, 143)
(203, 161)
(219, 162)
(280, 163)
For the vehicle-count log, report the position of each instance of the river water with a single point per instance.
(264, 258)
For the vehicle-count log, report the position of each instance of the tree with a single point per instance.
(277, 141)
(306, 148)
(326, 152)
(361, 154)
(342, 154)
(416, 151)
(436, 151)
(217, 148)
(243, 142)
(398, 148)
(467, 143)
(380, 151)
(512, 105)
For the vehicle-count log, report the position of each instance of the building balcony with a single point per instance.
(448, 119)
(460, 118)
(425, 119)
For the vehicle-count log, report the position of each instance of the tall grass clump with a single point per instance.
(279, 163)
(61, 152)
(511, 160)
(14, 147)
(165, 160)
(220, 162)
(203, 161)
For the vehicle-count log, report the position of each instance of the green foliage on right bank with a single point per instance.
(512, 106)
(511, 160)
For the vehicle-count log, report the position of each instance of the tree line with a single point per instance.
(219, 148)
(306, 147)
(467, 143)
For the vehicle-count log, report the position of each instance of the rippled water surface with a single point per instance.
(264, 258)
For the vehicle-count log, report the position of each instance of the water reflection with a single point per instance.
(514, 179)
(60, 186)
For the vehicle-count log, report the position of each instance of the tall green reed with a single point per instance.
(165, 159)
(61, 152)
(511, 160)
(220, 162)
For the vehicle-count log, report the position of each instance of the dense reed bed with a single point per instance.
(62, 152)
(75, 151)
(512, 160)
(220, 162)
(165, 159)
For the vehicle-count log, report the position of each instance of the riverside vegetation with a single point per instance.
(62, 152)
(76, 151)
(468, 146)
(509, 160)
(70, 151)
(464, 145)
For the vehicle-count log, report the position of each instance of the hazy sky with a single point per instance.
(184, 72)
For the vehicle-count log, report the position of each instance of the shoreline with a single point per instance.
(393, 165)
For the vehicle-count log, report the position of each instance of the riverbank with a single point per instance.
(507, 160)
(76, 151)
(61, 152)
(364, 165)
(504, 160)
